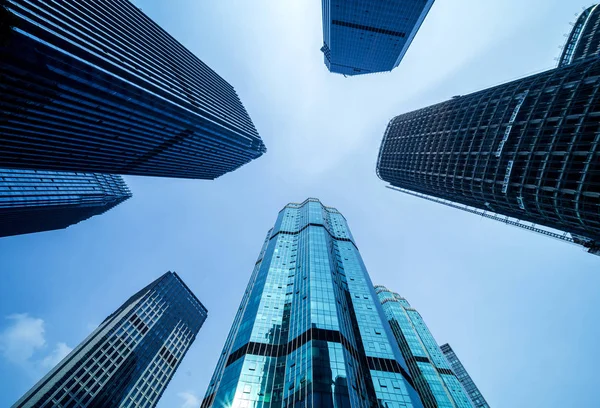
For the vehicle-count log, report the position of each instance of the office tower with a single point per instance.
(464, 378)
(130, 358)
(367, 36)
(99, 87)
(525, 153)
(433, 377)
(36, 200)
(310, 331)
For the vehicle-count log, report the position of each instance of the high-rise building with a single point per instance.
(367, 36)
(130, 358)
(99, 87)
(464, 378)
(36, 200)
(434, 379)
(310, 331)
(525, 153)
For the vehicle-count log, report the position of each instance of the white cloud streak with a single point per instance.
(190, 400)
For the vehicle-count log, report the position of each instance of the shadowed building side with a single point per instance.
(102, 88)
(464, 378)
(36, 200)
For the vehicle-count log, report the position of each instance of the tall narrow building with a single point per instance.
(367, 36)
(36, 200)
(130, 358)
(99, 87)
(310, 331)
(464, 378)
(525, 153)
(434, 379)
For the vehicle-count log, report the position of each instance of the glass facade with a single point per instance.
(310, 331)
(464, 378)
(99, 87)
(526, 151)
(367, 36)
(36, 200)
(433, 377)
(130, 358)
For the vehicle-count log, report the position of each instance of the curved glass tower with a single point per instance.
(99, 87)
(310, 331)
(434, 379)
(526, 152)
(464, 377)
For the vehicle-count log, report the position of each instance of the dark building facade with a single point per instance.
(130, 358)
(434, 379)
(99, 87)
(464, 378)
(523, 152)
(37, 200)
(367, 36)
(584, 40)
(310, 331)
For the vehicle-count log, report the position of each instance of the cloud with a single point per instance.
(23, 341)
(189, 400)
(22, 338)
(60, 351)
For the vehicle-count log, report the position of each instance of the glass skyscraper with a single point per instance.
(130, 358)
(367, 36)
(36, 200)
(99, 87)
(464, 378)
(525, 153)
(434, 379)
(310, 331)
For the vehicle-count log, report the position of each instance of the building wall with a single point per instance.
(464, 378)
(37, 200)
(434, 380)
(526, 149)
(130, 358)
(310, 331)
(366, 36)
(584, 40)
(102, 88)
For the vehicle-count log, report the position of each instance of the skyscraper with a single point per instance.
(526, 152)
(434, 379)
(130, 358)
(367, 36)
(310, 331)
(99, 87)
(36, 200)
(464, 378)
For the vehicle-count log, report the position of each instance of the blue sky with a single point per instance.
(520, 310)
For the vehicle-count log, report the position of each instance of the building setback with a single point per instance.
(367, 36)
(464, 378)
(99, 87)
(523, 152)
(310, 331)
(130, 358)
(434, 379)
(36, 200)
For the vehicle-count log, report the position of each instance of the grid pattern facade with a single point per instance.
(310, 331)
(100, 87)
(528, 149)
(464, 378)
(434, 380)
(367, 36)
(36, 200)
(584, 40)
(130, 358)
